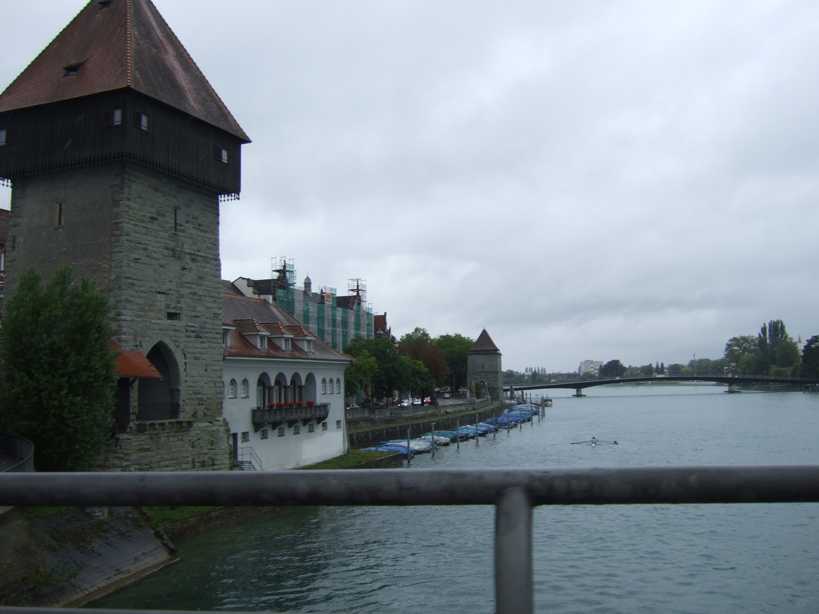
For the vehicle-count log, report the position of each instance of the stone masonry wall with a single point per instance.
(152, 243)
(171, 445)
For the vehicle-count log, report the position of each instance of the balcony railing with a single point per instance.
(275, 416)
(513, 492)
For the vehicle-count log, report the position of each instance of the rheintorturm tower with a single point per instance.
(484, 371)
(118, 151)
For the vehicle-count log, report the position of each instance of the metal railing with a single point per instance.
(513, 492)
(16, 453)
(249, 460)
(274, 417)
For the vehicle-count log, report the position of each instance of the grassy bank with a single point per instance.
(354, 459)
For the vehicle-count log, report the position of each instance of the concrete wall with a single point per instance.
(291, 449)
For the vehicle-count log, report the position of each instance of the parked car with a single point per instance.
(404, 403)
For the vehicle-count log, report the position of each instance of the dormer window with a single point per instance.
(262, 342)
(2, 137)
(72, 70)
(286, 344)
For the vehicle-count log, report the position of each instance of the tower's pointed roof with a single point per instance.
(118, 44)
(484, 343)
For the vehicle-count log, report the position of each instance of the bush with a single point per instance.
(57, 370)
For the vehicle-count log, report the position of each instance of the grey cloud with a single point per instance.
(586, 180)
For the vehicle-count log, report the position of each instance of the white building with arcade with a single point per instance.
(284, 388)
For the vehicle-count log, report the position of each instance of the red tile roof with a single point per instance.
(133, 363)
(269, 317)
(124, 44)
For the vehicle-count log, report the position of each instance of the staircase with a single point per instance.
(248, 459)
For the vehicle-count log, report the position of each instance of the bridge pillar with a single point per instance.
(732, 388)
(578, 392)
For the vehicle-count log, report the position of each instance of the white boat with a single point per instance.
(419, 446)
(440, 440)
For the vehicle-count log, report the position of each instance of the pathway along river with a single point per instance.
(691, 558)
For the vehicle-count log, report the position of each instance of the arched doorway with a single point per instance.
(310, 388)
(263, 391)
(296, 388)
(159, 399)
(280, 387)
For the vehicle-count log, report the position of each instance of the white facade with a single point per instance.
(284, 446)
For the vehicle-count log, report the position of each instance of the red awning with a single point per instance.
(133, 363)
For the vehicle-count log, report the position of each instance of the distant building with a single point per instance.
(284, 388)
(484, 371)
(590, 367)
(336, 320)
(380, 326)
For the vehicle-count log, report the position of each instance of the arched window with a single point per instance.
(338, 385)
(159, 399)
(232, 389)
(323, 386)
(331, 386)
(245, 388)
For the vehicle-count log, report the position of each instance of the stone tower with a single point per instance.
(118, 151)
(484, 372)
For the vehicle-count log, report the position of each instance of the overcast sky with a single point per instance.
(586, 180)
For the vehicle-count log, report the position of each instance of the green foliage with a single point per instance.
(613, 368)
(455, 349)
(360, 373)
(810, 358)
(418, 345)
(57, 370)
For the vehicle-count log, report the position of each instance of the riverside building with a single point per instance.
(284, 387)
(118, 151)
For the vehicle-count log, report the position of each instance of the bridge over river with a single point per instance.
(732, 381)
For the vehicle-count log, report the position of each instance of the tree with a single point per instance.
(418, 345)
(743, 353)
(389, 374)
(455, 349)
(676, 369)
(613, 368)
(647, 370)
(776, 349)
(359, 374)
(810, 358)
(57, 369)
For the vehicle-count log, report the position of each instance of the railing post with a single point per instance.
(513, 553)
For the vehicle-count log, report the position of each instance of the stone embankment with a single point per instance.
(394, 423)
(57, 556)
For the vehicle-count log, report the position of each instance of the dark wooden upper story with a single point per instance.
(121, 125)
(117, 84)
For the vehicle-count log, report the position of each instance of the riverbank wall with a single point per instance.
(65, 556)
(368, 431)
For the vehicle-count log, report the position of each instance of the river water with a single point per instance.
(688, 558)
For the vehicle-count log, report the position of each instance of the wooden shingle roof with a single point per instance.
(120, 44)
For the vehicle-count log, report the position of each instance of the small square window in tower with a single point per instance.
(116, 117)
(2, 137)
(144, 122)
(223, 156)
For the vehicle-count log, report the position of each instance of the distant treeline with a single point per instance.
(770, 352)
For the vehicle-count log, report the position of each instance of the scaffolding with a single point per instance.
(357, 286)
(283, 264)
